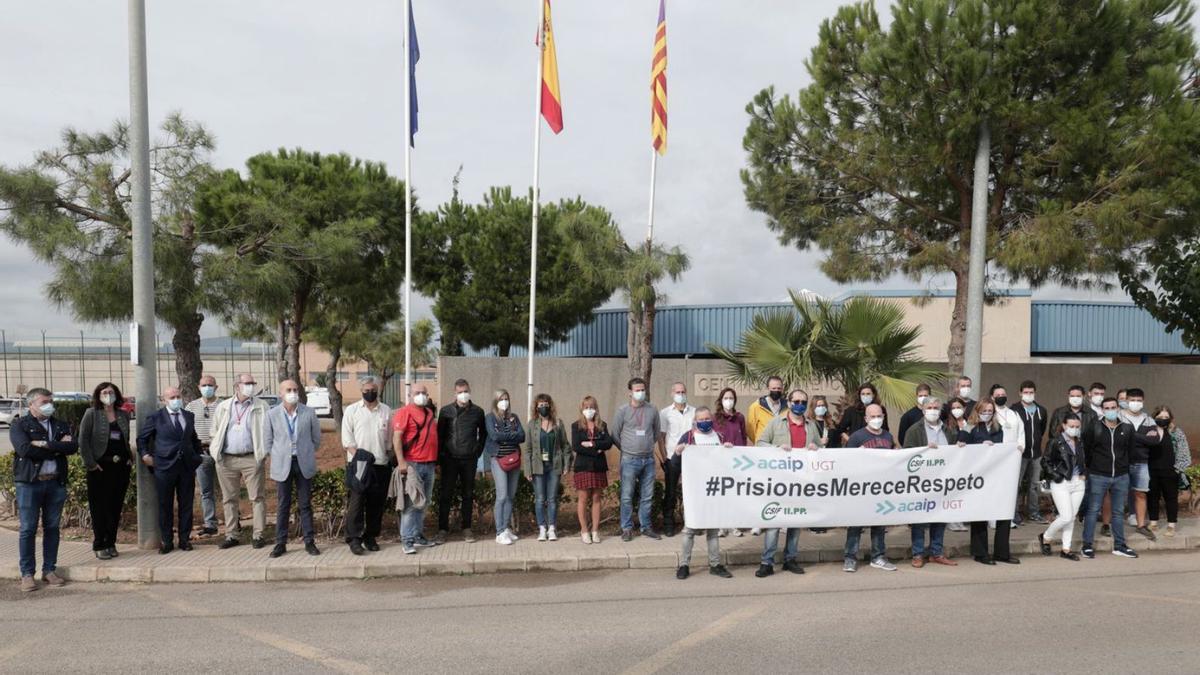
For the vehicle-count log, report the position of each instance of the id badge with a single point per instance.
(640, 432)
(545, 457)
(237, 429)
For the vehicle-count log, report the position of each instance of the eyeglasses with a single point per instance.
(800, 400)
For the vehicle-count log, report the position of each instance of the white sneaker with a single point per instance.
(511, 535)
(586, 537)
(957, 527)
(1131, 520)
(739, 533)
(503, 539)
(551, 534)
(541, 534)
(756, 531)
(595, 537)
(723, 533)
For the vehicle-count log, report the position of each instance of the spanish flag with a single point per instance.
(658, 84)
(551, 98)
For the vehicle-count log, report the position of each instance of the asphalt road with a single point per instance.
(1047, 615)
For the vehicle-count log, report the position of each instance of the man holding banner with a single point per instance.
(876, 437)
(786, 432)
(930, 433)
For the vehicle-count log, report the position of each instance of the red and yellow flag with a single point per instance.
(551, 98)
(658, 84)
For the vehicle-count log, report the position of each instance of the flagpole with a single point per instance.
(537, 155)
(653, 175)
(407, 201)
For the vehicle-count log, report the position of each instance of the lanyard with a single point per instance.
(237, 418)
(291, 425)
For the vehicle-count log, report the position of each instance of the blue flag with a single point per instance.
(414, 55)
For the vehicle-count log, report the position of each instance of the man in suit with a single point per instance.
(168, 443)
(239, 452)
(292, 435)
(41, 443)
(930, 432)
(1034, 417)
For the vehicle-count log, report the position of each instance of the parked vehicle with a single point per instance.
(10, 410)
(318, 400)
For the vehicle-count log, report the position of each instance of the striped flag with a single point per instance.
(658, 83)
(551, 98)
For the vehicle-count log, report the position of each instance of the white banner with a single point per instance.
(770, 487)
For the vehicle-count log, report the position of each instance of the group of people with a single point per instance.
(1097, 455)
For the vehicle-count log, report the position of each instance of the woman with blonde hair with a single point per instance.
(502, 450)
(589, 442)
(985, 428)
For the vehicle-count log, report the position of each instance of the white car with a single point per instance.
(318, 400)
(10, 410)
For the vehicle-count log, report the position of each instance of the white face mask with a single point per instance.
(291, 398)
(964, 392)
(247, 390)
(589, 413)
(420, 399)
(1075, 401)
(1073, 432)
(502, 405)
(867, 399)
(46, 409)
(820, 411)
(463, 397)
(1135, 407)
(921, 400)
(932, 416)
(1097, 399)
(728, 403)
(985, 417)
(875, 423)
(957, 412)
(1027, 398)
(680, 399)
(107, 399)
(639, 396)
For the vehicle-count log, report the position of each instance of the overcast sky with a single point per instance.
(327, 76)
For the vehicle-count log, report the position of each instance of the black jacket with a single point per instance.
(160, 438)
(1059, 462)
(1086, 417)
(27, 460)
(1144, 443)
(914, 416)
(1035, 429)
(593, 458)
(981, 434)
(1107, 450)
(1162, 456)
(855, 418)
(462, 432)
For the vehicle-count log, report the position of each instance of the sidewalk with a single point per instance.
(207, 563)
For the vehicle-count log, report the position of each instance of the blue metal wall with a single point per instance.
(1066, 327)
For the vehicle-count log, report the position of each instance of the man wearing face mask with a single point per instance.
(167, 442)
(674, 421)
(1033, 421)
(238, 449)
(765, 409)
(1107, 448)
(462, 434)
(41, 444)
(203, 410)
(914, 414)
(930, 432)
(366, 425)
(292, 436)
(635, 430)
(1096, 395)
(1076, 405)
(790, 432)
(962, 390)
(415, 438)
(1146, 438)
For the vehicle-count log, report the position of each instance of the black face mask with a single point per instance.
(370, 396)
(544, 410)
(776, 395)
(1162, 422)
(1001, 400)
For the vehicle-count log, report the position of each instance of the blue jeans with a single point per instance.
(854, 534)
(44, 499)
(545, 495)
(206, 477)
(1097, 487)
(937, 532)
(639, 472)
(506, 491)
(791, 545)
(412, 520)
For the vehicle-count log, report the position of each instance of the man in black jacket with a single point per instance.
(167, 443)
(1107, 448)
(1033, 417)
(41, 444)
(914, 414)
(461, 437)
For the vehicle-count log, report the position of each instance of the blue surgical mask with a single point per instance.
(798, 408)
(207, 391)
(704, 426)
(1111, 415)
(175, 404)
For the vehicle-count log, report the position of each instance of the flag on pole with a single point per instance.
(551, 99)
(414, 55)
(658, 83)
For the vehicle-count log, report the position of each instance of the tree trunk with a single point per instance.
(956, 354)
(503, 350)
(188, 363)
(281, 349)
(331, 383)
(640, 344)
(295, 330)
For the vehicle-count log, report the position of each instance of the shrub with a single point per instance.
(329, 501)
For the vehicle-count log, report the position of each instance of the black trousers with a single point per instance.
(283, 512)
(1166, 488)
(979, 540)
(672, 471)
(364, 510)
(176, 484)
(458, 475)
(106, 490)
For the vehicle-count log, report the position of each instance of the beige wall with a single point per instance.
(1005, 338)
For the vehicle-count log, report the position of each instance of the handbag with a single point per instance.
(510, 461)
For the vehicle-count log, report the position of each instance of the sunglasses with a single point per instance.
(800, 400)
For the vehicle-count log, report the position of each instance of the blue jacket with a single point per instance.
(504, 435)
(27, 463)
(158, 437)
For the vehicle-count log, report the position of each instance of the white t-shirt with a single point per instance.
(674, 423)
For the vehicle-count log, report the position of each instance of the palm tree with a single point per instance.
(863, 339)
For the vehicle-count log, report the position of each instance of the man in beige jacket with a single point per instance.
(238, 449)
